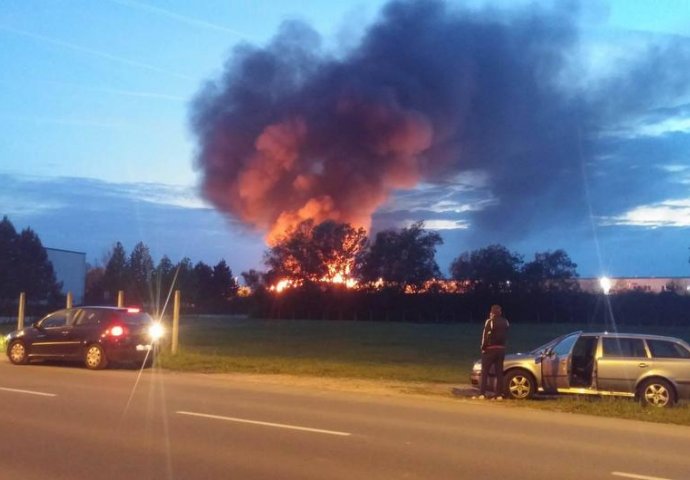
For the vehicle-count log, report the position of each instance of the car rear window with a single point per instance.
(624, 347)
(138, 318)
(90, 317)
(666, 349)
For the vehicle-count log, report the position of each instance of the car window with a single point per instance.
(565, 345)
(90, 317)
(57, 319)
(624, 347)
(667, 349)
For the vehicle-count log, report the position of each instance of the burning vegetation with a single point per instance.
(324, 253)
(339, 255)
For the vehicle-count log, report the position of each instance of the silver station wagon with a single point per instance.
(653, 369)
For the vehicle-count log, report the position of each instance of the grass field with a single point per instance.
(395, 351)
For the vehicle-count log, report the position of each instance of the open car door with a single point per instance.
(557, 363)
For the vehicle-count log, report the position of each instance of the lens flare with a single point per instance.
(156, 331)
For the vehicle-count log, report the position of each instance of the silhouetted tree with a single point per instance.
(115, 277)
(550, 271)
(492, 268)
(224, 284)
(140, 268)
(202, 293)
(185, 279)
(8, 258)
(402, 258)
(253, 279)
(93, 292)
(25, 267)
(163, 278)
(292, 256)
(35, 274)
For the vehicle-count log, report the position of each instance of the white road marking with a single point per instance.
(636, 476)
(265, 424)
(29, 392)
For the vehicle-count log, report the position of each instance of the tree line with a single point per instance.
(317, 259)
(401, 260)
(206, 288)
(405, 260)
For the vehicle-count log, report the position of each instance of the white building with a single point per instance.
(645, 284)
(70, 269)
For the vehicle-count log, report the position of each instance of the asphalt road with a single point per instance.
(64, 422)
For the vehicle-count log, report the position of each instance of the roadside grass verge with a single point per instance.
(5, 328)
(610, 407)
(438, 354)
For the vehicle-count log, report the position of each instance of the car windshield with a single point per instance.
(546, 346)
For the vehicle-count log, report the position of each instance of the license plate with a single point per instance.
(143, 348)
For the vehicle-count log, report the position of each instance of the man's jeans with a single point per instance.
(493, 357)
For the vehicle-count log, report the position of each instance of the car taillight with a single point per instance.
(117, 331)
(133, 310)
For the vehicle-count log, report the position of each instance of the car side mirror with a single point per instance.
(542, 355)
(37, 325)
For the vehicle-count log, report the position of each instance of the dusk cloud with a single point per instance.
(91, 215)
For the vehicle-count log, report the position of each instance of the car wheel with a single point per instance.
(94, 357)
(519, 385)
(656, 392)
(17, 353)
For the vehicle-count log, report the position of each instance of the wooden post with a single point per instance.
(20, 314)
(176, 322)
(69, 300)
(120, 298)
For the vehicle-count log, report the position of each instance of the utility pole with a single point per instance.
(176, 322)
(20, 314)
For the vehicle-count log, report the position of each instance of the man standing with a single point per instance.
(494, 350)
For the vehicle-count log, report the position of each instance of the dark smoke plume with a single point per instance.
(290, 133)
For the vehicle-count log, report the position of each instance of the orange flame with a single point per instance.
(281, 285)
(340, 274)
(337, 277)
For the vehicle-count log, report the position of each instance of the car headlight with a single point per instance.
(477, 367)
(156, 331)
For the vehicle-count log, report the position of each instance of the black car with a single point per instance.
(95, 335)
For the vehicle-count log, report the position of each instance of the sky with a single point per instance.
(201, 127)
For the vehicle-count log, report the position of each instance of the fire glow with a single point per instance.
(338, 274)
(437, 285)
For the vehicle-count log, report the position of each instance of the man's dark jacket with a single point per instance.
(495, 333)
